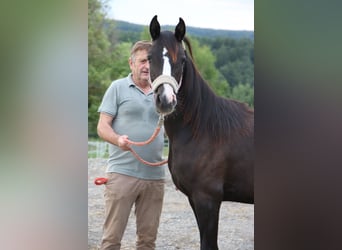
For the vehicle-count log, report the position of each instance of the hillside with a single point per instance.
(191, 31)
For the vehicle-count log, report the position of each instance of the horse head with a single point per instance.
(167, 57)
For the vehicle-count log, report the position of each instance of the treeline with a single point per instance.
(226, 63)
(131, 28)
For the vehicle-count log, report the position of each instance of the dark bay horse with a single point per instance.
(211, 151)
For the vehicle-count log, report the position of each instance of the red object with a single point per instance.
(100, 180)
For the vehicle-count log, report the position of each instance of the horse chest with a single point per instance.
(189, 167)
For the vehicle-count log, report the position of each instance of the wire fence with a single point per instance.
(97, 149)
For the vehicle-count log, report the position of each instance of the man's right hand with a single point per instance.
(123, 142)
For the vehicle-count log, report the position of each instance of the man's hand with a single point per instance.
(123, 142)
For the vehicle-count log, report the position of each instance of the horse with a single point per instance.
(211, 138)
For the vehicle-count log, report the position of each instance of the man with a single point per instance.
(127, 111)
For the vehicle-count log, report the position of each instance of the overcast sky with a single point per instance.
(215, 14)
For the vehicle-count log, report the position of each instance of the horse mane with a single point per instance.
(207, 113)
(188, 44)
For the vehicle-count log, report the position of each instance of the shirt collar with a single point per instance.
(131, 83)
(130, 80)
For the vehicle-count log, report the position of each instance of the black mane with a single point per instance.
(206, 112)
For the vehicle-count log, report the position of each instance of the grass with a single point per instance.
(166, 151)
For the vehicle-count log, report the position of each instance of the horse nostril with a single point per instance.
(174, 102)
(157, 98)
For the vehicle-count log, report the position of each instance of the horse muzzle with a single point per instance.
(164, 79)
(165, 89)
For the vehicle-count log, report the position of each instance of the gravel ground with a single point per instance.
(178, 228)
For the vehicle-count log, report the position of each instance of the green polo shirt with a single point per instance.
(134, 115)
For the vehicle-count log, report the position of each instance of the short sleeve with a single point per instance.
(109, 101)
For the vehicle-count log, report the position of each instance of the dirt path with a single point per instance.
(178, 228)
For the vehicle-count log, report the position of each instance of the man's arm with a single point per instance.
(105, 131)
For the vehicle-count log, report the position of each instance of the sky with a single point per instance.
(214, 14)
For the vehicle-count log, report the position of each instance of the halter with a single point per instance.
(162, 79)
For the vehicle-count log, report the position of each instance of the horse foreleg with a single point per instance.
(207, 215)
(193, 209)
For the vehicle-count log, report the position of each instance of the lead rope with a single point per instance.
(153, 136)
(103, 180)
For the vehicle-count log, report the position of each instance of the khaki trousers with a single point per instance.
(121, 192)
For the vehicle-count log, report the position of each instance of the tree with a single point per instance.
(234, 58)
(119, 67)
(243, 93)
(145, 34)
(205, 63)
(99, 60)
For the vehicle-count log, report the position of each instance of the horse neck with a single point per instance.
(198, 107)
(193, 98)
(196, 94)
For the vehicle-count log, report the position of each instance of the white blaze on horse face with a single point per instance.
(168, 90)
(167, 65)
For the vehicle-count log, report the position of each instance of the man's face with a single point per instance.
(140, 67)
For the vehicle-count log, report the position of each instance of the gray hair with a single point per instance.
(140, 45)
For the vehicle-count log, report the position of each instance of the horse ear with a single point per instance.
(180, 30)
(154, 28)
